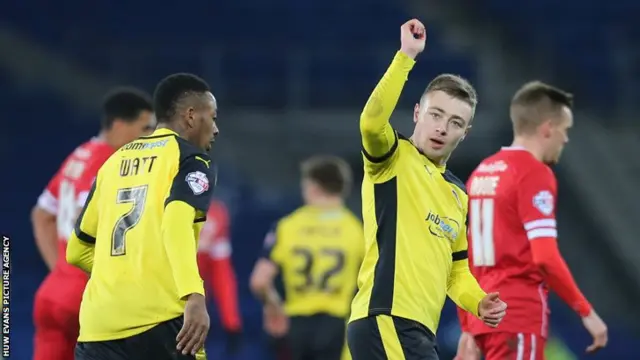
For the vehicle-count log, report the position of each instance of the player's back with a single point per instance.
(131, 287)
(64, 196)
(320, 253)
(511, 202)
(71, 186)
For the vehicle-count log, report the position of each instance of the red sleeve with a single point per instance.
(536, 208)
(48, 200)
(221, 274)
(463, 318)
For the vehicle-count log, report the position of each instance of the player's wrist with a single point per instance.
(409, 53)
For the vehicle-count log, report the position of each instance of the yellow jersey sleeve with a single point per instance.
(188, 200)
(379, 139)
(273, 249)
(193, 183)
(198, 224)
(81, 243)
(462, 287)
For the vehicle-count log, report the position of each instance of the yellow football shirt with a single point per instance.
(414, 216)
(137, 236)
(319, 253)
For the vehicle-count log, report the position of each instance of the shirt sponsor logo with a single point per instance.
(443, 227)
(497, 166)
(543, 201)
(139, 145)
(198, 182)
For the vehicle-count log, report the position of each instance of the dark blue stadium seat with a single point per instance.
(347, 44)
(581, 34)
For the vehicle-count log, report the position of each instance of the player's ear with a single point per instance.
(546, 128)
(191, 117)
(416, 113)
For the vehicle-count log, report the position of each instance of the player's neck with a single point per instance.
(173, 127)
(110, 138)
(530, 145)
(327, 203)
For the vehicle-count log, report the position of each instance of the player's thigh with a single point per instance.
(298, 339)
(159, 343)
(385, 337)
(102, 350)
(511, 346)
(55, 336)
(52, 344)
(416, 341)
(329, 338)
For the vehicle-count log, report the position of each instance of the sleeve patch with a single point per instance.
(543, 201)
(198, 182)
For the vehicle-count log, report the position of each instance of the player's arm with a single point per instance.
(536, 208)
(221, 273)
(266, 269)
(81, 245)
(379, 140)
(43, 222)
(188, 201)
(462, 287)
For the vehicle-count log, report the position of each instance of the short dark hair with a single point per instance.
(172, 89)
(331, 173)
(533, 104)
(124, 104)
(455, 86)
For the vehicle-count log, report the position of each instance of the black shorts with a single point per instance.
(157, 343)
(316, 337)
(388, 337)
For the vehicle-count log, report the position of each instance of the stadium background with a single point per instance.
(291, 77)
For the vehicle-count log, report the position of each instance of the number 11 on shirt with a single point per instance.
(481, 222)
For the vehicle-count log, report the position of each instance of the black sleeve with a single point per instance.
(194, 183)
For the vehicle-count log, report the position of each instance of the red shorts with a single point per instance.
(510, 346)
(57, 330)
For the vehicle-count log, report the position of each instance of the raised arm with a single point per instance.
(378, 137)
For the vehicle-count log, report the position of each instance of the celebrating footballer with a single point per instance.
(414, 212)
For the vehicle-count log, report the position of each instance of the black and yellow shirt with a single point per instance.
(319, 253)
(414, 216)
(137, 236)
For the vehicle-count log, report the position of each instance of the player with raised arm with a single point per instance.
(319, 249)
(126, 114)
(513, 232)
(216, 268)
(137, 235)
(414, 217)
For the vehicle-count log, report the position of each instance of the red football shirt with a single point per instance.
(64, 197)
(214, 262)
(511, 203)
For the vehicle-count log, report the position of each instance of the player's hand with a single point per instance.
(412, 38)
(467, 348)
(194, 331)
(276, 322)
(598, 330)
(491, 309)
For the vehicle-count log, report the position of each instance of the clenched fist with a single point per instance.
(412, 38)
